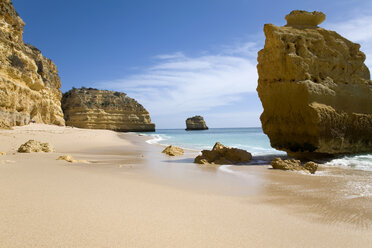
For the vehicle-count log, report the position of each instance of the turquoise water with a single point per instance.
(250, 139)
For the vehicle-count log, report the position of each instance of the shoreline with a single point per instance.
(132, 195)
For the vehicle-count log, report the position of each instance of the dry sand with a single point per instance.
(131, 195)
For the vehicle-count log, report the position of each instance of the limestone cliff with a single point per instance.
(103, 109)
(29, 82)
(196, 123)
(315, 89)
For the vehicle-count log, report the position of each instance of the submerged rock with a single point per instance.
(173, 151)
(294, 165)
(315, 89)
(29, 82)
(221, 154)
(196, 123)
(103, 109)
(35, 146)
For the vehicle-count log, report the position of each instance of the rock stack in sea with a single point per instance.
(221, 154)
(103, 109)
(315, 89)
(196, 123)
(29, 82)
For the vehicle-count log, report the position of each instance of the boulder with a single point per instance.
(293, 165)
(196, 123)
(315, 89)
(35, 146)
(173, 151)
(221, 154)
(103, 109)
(29, 82)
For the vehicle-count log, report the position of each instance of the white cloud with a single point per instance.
(359, 30)
(178, 84)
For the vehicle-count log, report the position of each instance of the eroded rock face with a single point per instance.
(35, 146)
(29, 82)
(103, 109)
(221, 154)
(315, 89)
(173, 151)
(294, 165)
(196, 123)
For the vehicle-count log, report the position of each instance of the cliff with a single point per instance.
(102, 109)
(315, 89)
(196, 123)
(29, 82)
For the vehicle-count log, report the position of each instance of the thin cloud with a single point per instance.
(177, 83)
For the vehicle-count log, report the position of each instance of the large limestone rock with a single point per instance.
(29, 82)
(315, 89)
(221, 154)
(196, 123)
(103, 109)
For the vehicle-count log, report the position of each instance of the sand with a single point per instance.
(131, 195)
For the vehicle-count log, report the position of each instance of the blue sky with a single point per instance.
(177, 58)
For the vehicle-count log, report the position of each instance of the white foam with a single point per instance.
(360, 162)
(226, 169)
(156, 138)
(358, 189)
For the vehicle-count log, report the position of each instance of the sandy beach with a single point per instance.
(131, 195)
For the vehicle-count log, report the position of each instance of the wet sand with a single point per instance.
(131, 195)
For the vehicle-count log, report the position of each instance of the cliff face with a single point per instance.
(102, 109)
(196, 123)
(29, 82)
(315, 89)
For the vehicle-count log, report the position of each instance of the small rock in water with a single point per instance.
(196, 123)
(221, 154)
(173, 151)
(294, 165)
(35, 146)
(311, 167)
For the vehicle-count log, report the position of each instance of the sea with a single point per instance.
(251, 139)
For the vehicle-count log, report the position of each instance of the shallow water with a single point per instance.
(250, 139)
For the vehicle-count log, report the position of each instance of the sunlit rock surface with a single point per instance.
(196, 123)
(103, 109)
(315, 89)
(29, 82)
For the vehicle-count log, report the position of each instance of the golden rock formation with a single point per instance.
(221, 154)
(103, 109)
(196, 123)
(29, 82)
(173, 151)
(315, 89)
(294, 165)
(35, 146)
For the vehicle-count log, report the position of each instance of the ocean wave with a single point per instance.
(359, 162)
(156, 138)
